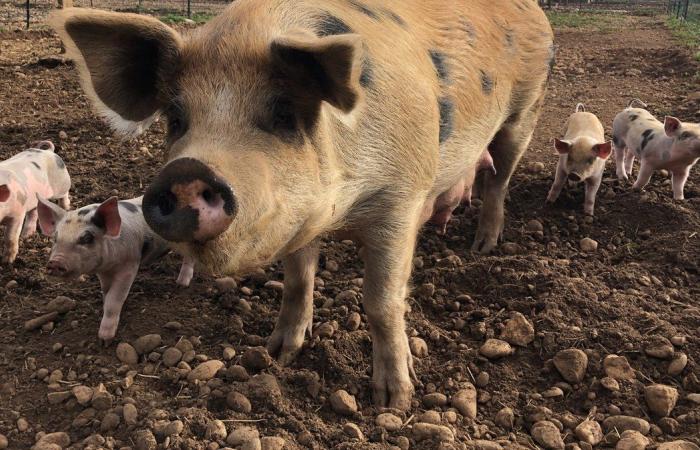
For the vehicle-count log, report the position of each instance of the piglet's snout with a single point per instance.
(188, 202)
(56, 267)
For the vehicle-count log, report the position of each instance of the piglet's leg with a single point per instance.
(645, 172)
(296, 314)
(629, 161)
(557, 186)
(29, 227)
(12, 233)
(678, 179)
(592, 185)
(620, 163)
(118, 285)
(186, 272)
(64, 202)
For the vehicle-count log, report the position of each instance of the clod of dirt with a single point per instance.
(237, 373)
(146, 344)
(241, 435)
(505, 418)
(228, 353)
(618, 367)
(589, 431)
(678, 445)
(216, 430)
(171, 356)
(464, 401)
(495, 348)
(130, 414)
(547, 435)
(571, 364)
(61, 305)
(4, 443)
(425, 431)
(482, 380)
(37, 322)
(677, 365)
(518, 330)
(659, 347)
(434, 399)
(324, 331)
(126, 353)
(352, 431)
(588, 245)
(272, 443)
(388, 421)
(60, 439)
(418, 347)
(205, 371)
(669, 425)
(534, 225)
(101, 399)
(144, 440)
(256, 359)
(83, 394)
(535, 167)
(632, 440)
(661, 399)
(109, 422)
(55, 398)
(343, 403)
(238, 402)
(511, 248)
(353, 322)
(225, 284)
(623, 423)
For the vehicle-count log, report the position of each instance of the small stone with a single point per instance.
(418, 347)
(38, 322)
(130, 414)
(547, 435)
(171, 356)
(425, 431)
(343, 403)
(695, 398)
(144, 440)
(505, 418)
(62, 135)
(216, 430)
(275, 285)
(678, 341)
(225, 284)
(241, 435)
(511, 248)
(126, 353)
(58, 397)
(464, 401)
(678, 445)
(610, 384)
(553, 392)
(353, 431)
(229, 353)
(623, 423)
(109, 422)
(618, 367)
(148, 343)
(425, 290)
(430, 417)
(631, 440)
(205, 371)
(571, 364)
(518, 330)
(589, 431)
(482, 380)
(4, 443)
(173, 326)
(61, 439)
(588, 245)
(272, 443)
(101, 399)
(174, 428)
(353, 322)
(659, 347)
(61, 305)
(536, 167)
(661, 399)
(677, 364)
(22, 425)
(324, 331)
(388, 421)
(669, 425)
(256, 359)
(534, 225)
(495, 348)
(237, 373)
(434, 399)
(238, 402)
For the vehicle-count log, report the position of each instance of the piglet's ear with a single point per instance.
(107, 217)
(49, 215)
(4, 192)
(603, 150)
(562, 147)
(671, 126)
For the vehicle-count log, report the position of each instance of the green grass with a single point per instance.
(198, 18)
(687, 32)
(590, 20)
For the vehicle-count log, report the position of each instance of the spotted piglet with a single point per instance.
(672, 145)
(582, 156)
(111, 240)
(36, 171)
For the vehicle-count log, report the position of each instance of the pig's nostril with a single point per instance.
(208, 196)
(167, 203)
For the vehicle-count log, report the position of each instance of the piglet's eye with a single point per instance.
(686, 135)
(86, 238)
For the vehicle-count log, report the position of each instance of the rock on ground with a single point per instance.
(571, 364)
(661, 399)
(343, 403)
(464, 401)
(547, 435)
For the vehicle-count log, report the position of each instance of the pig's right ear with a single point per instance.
(671, 126)
(124, 61)
(49, 215)
(325, 68)
(4, 192)
(562, 147)
(107, 217)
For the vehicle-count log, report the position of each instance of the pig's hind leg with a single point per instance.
(296, 314)
(29, 227)
(678, 179)
(115, 288)
(13, 230)
(629, 162)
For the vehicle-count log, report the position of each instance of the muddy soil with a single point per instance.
(636, 291)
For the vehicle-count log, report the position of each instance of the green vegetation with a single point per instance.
(198, 18)
(687, 32)
(599, 21)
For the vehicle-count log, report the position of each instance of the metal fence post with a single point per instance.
(27, 14)
(189, 9)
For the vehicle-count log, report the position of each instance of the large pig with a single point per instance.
(672, 145)
(36, 171)
(289, 120)
(111, 240)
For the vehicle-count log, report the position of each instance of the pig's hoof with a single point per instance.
(286, 341)
(106, 342)
(393, 388)
(484, 244)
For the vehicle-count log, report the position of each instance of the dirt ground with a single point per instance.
(637, 289)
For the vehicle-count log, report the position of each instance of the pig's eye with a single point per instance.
(177, 124)
(280, 118)
(86, 238)
(686, 135)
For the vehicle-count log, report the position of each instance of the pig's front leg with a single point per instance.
(558, 185)
(116, 287)
(186, 272)
(30, 219)
(12, 234)
(629, 161)
(64, 202)
(592, 185)
(678, 179)
(620, 162)
(296, 314)
(645, 172)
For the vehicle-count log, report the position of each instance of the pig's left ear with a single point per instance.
(49, 215)
(4, 192)
(603, 150)
(327, 68)
(671, 126)
(107, 217)
(562, 147)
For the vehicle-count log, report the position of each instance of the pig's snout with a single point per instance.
(188, 202)
(574, 177)
(57, 267)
